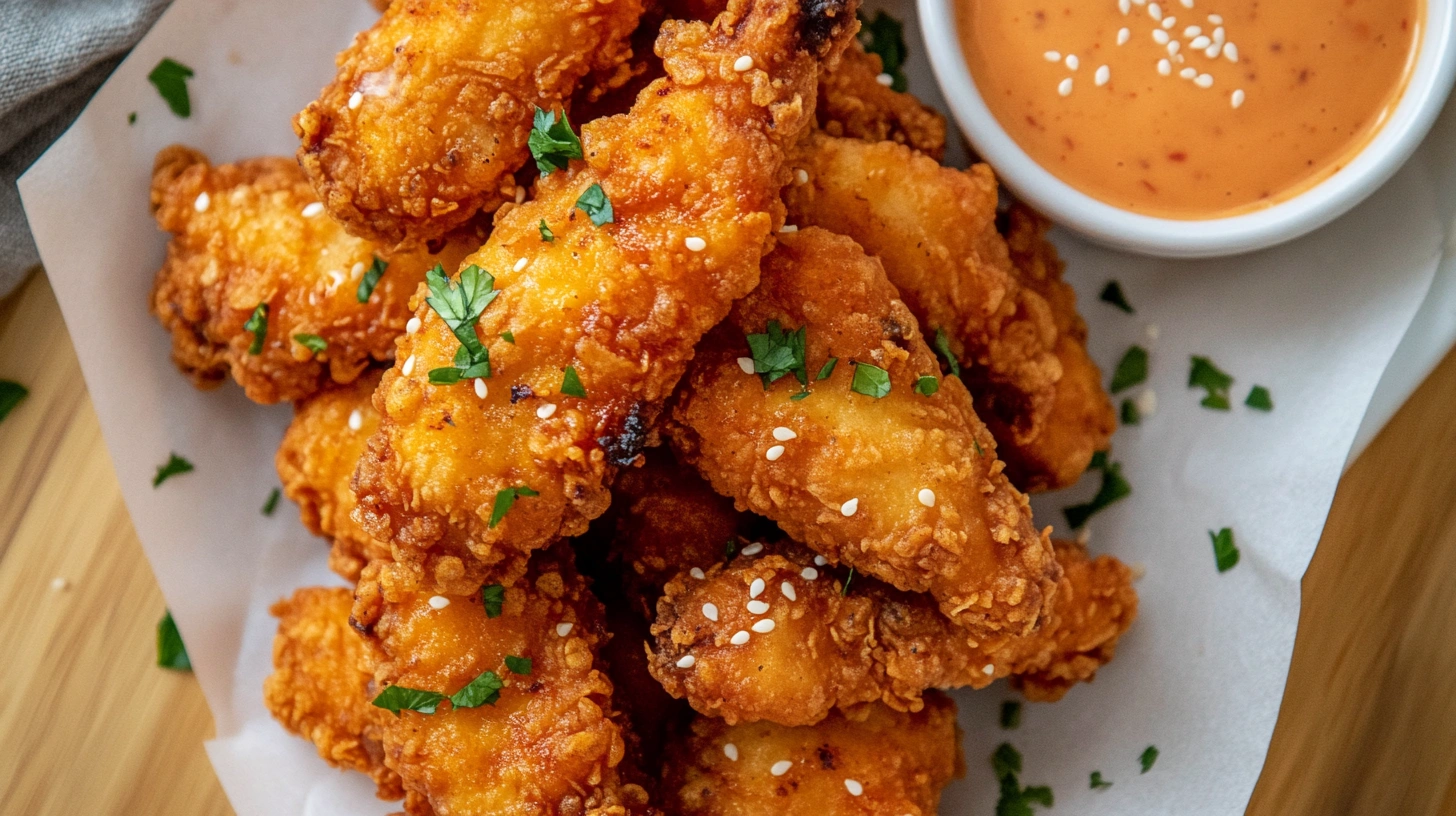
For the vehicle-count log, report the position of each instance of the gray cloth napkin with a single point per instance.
(54, 54)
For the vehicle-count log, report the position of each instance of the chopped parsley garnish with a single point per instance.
(730, 549)
(504, 501)
(1258, 399)
(1114, 487)
(509, 337)
(1131, 370)
(777, 352)
(518, 665)
(175, 466)
(11, 394)
(827, 369)
(547, 236)
(1097, 782)
(571, 383)
(272, 503)
(258, 325)
(1130, 413)
(1148, 757)
(483, 690)
(1015, 800)
(870, 380)
(551, 141)
(399, 698)
(493, 597)
(460, 306)
(371, 279)
(312, 342)
(885, 36)
(131, 118)
(596, 205)
(1010, 714)
(170, 77)
(1112, 293)
(844, 590)
(171, 652)
(1204, 374)
(925, 385)
(977, 444)
(942, 347)
(1225, 553)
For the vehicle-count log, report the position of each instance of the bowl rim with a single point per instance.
(1424, 97)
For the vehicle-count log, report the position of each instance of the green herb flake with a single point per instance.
(1131, 370)
(885, 36)
(175, 466)
(131, 118)
(509, 337)
(171, 651)
(1010, 714)
(460, 305)
(827, 369)
(552, 142)
(870, 380)
(1148, 757)
(730, 549)
(547, 236)
(849, 577)
(505, 499)
(1114, 487)
(312, 342)
(942, 347)
(170, 78)
(1112, 293)
(518, 665)
(1005, 760)
(1204, 374)
(371, 279)
(1130, 413)
(571, 383)
(493, 597)
(1097, 782)
(258, 325)
(399, 698)
(272, 503)
(596, 205)
(1258, 399)
(777, 352)
(800, 395)
(1014, 799)
(1225, 553)
(11, 395)
(483, 690)
(926, 385)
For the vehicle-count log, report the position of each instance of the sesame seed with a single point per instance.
(801, 176)
(1237, 98)
(926, 496)
(545, 411)
(313, 209)
(1124, 6)
(1103, 74)
(355, 100)
(1188, 73)
(820, 560)
(1169, 22)
(1212, 50)
(752, 549)
(1173, 48)
(1064, 88)
(336, 278)
(202, 202)
(743, 63)
(356, 420)
(885, 80)
(1147, 402)
(788, 590)
(1199, 43)
(773, 453)
(480, 388)
(60, 584)
(746, 363)
(1216, 19)
(710, 611)
(686, 661)
(1231, 52)
(781, 767)
(1123, 34)
(849, 507)
(356, 271)
(697, 573)
(1160, 36)
(988, 669)
(563, 629)
(520, 264)
(755, 589)
(409, 365)
(1219, 36)
(439, 602)
(1204, 81)
(757, 607)
(1053, 56)
(1072, 61)
(1186, 3)
(808, 573)
(731, 751)
(783, 434)
(1152, 331)
(854, 787)
(739, 638)
(789, 228)
(1192, 31)
(520, 194)
(695, 243)
(1164, 67)
(412, 326)
(764, 626)
(1155, 11)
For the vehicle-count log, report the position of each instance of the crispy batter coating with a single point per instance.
(876, 761)
(316, 464)
(848, 483)
(624, 303)
(319, 688)
(428, 116)
(933, 228)
(853, 103)
(241, 237)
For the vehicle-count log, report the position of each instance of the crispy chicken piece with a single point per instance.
(428, 116)
(621, 303)
(933, 228)
(853, 103)
(319, 688)
(875, 761)
(244, 234)
(848, 481)
(316, 464)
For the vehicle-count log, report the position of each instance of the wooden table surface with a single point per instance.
(89, 725)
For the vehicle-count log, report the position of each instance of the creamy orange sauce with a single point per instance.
(1303, 88)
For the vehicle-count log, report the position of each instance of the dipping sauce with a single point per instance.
(1191, 109)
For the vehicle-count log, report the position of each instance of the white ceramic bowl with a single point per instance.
(1424, 97)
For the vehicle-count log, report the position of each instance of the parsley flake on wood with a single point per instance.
(885, 36)
(312, 342)
(1112, 293)
(400, 698)
(518, 665)
(483, 690)
(1131, 370)
(170, 78)
(942, 347)
(1130, 413)
(258, 325)
(547, 236)
(596, 205)
(175, 466)
(1096, 782)
(777, 352)
(1014, 799)
(493, 597)
(1114, 487)
(1204, 374)
(131, 118)
(926, 385)
(370, 279)
(1259, 399)
(272, 503)
(505, 499)
(571, 383)
(11, 395)
(1010, 714)
(552, 142)
(870, 380)
(171, 651)
(1148, 757)
(1225, 553)
(460, 305)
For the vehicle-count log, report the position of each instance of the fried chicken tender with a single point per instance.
(549, 744)
(849, 482)
(319, 688)
(934, 230)
(622, 303)
(853, 103)
(243, 235)
(429, 114)
(876, 761)
(316, 463)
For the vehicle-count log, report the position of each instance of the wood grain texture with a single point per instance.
(91, 726)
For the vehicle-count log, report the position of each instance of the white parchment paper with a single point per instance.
(1200, 675)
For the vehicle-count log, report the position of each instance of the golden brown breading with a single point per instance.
(319, 688)
(848, 484)
(242, 234)
(876, 762)
(624, 303)
(316, 464)
(853, 103)
(933, 228)
(429, 114)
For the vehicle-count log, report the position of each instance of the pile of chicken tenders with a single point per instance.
(670, 406)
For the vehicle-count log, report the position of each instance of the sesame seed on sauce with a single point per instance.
(356, 271)
(1204, 81)
(520, 194)
(1064, 88)
(755, 589)
(788, 590)
(1123, 35)
(1053, 56)
(697, 573)
(1231, 52)
(545, 411)
(1155, 11)
(885, 80)
(746, 364)
(1186, 3)
(854, 787)
(988, 669)
(801, 176)
(789, 228)
(820, 560)
(783, 434)
(563, 629)
(480, 388)
(313, 209)
(773, 453)
(1200, 42)
(1188, 73)
(1164, 67)
(355, 100)
(1216, 19)
(808, 573)
(1160, 36)
(739, 638)
(1169, 22)
(202, 202)
(1124, 6)
(686, 661)
(710, 611)
(781, 767)
(764, 626)
(1103, 74)
(412, 326)
(1072, 62)
(757, 607)
(1236, 98)
(356, 420)
(731, 751)
(1192, 31)
(743, 63)
(752, 549)
(409, 365)
(926, 496)
(439, 602)
(695, 243)
(520, 264)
